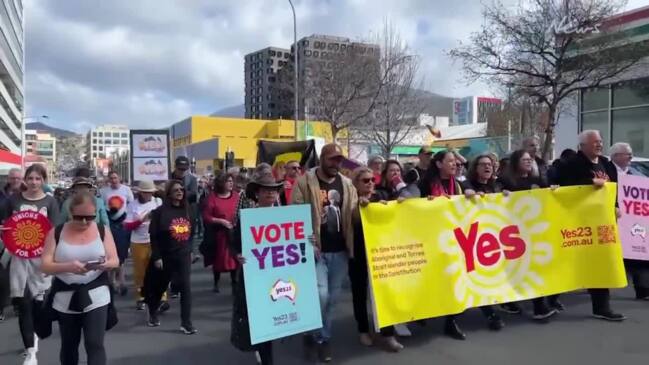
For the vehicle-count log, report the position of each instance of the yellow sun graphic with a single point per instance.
(28, 235)
(505, 280)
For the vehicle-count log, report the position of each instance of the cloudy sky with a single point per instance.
(150, 63)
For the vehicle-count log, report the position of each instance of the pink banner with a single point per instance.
(633, 199)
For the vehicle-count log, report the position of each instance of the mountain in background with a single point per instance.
(57, 132)
(236, 111)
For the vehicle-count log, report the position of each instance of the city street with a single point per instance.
(571, 338)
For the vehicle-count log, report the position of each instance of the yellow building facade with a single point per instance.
(206, 139)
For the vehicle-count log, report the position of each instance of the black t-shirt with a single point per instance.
(524, 183)
(492, 186)
(332, 238)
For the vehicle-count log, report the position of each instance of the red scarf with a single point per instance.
(437, 189)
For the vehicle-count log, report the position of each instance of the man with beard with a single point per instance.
(589, 167)
(332, 197)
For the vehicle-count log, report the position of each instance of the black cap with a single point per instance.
(182, 160)
(425, 149)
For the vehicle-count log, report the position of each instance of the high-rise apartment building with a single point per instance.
(261, 69)
(40, 144)
(11, 84)
(105, 140)
(267, 98)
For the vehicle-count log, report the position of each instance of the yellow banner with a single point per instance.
(432, 258)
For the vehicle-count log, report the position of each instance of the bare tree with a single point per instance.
(339, 89)
(548, 49)
(400, 100)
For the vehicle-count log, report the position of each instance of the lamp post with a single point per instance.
(23, 150)
(295, 83)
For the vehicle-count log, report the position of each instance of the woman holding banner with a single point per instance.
(520, 176)
(440, 181)
(363, 180)
(266, 192)
(27, 283)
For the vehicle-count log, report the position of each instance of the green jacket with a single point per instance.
(102, 216)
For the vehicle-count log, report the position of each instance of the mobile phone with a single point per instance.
(94, 265)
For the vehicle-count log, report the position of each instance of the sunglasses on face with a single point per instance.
(367, 180)
(83, 218)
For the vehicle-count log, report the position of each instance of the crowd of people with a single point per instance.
(96, 229)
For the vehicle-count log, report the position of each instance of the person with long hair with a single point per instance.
(27, 283)
(363, 179)
(170, 231)
(520, 176)
(440, 181)
(138, 219)
(218, 216)
(481, 177)
(266, 194)
(78, 254)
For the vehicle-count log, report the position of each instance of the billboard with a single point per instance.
(463, 111)
(150, 158)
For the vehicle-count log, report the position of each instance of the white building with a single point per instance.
(619, 109)
(11, 84)
(106, 140)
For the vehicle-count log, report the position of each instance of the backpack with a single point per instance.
(57, 232)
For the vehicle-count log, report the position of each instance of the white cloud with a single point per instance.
(154, 62)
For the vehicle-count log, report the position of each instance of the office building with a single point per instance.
(619, 108)
(40, 144)
(474, 109)
(105, 140)
(317, 54)
(261, 69)
(11, 84)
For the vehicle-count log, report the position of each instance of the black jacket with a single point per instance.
(579, 170)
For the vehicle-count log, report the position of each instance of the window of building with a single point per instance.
(116, 141)
(271, 79)
(94, 141)
(595, 99)
(107, 141)
(94, 134)
(101, 148)
(94, 155)
(271, 105)
(631, 93)
(287, 55)
(269, 70)
(125, 141)
(305, 43)
(315, 54)
(259, 90)
(630, 126)
(269, 61)
(94, 148)
(100, 134)
(124, 135)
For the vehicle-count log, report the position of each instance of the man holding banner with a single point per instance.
(589, 167)
(332, 197)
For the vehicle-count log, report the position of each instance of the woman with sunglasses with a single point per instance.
(170, 231)
(519, 176)
(27, 283)
(363, 179)
(78, 254)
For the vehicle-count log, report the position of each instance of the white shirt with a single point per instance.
(135, 211)
(621, 171)
(116, 199)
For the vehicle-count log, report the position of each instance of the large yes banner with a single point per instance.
(279, 273)
(433, 258)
